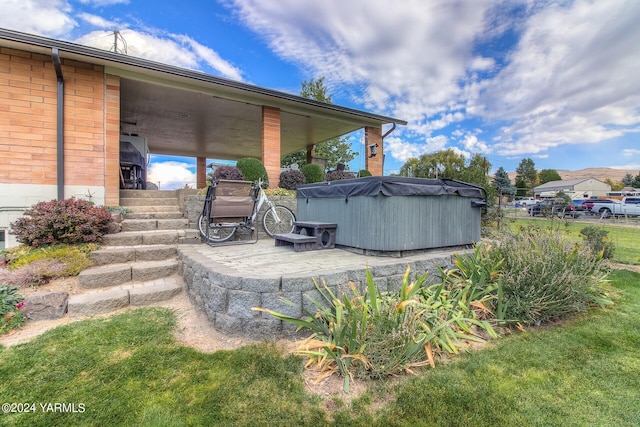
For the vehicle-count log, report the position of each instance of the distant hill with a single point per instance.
(597, 173)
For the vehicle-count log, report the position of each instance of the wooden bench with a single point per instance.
(309, 236)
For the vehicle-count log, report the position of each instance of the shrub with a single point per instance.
(596, 239)
(11, 316)
(228, 172)
(545, 277)
(312, 173)
(253, 170)
(375, 334)
(69, 221)
(290, 179)
(338, 175)
(29, 266)
(363, 172)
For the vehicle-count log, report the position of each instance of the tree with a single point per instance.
(636, 181)
(527, 175)
(440, 164)
(335, 150)
(628, 179)
(615, 185)
(548, 175)
(502, 183)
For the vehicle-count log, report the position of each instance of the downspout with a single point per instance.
(55, 54)
(393, 127)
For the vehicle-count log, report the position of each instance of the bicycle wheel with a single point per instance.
(215, 232)
(282, 224)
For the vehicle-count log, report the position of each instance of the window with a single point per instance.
(2, 239)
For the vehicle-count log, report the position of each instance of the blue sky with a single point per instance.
(556, 81)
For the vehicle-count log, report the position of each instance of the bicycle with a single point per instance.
(238, 205)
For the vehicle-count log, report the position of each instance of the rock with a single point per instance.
(46, 306)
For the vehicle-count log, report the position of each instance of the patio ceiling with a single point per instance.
(189, 122)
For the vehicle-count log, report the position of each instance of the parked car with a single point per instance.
(527, 201)
(615, 208)
(557, 207)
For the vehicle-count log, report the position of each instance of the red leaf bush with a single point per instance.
(69, 221)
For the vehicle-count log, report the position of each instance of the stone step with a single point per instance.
(135, 201)
(104, 276)
(124, 254)
(137, 294)
(151, 270)
(154, 215)
(148, 194)
(134, 238)
(153, 209)
(116, 274)
(154, 224)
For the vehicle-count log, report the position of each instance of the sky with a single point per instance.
(554, 81)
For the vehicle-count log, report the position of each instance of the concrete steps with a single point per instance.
(153, 237)
(154, 224)
(137, 266)
(117, 274)
(117, 297)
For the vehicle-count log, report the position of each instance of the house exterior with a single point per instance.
(64, 109)
(582, 188)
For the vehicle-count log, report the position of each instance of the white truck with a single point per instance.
(609, 208)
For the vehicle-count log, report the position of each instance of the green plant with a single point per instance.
(253, 170)
(363, 172)
(228, 172)
(375, 334)
(338, 175)
(67, 221)
(29, 266)
(278, 191)
(596, 239)
(546, 277)
(312, 173)
(290, 179)
(11, 302)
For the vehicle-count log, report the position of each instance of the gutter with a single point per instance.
(55, 54)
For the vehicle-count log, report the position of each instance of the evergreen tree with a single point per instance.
(527, 175)
(628, 179)
(502, 183)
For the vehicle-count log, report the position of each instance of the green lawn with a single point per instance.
(625, 237)
(129, 370)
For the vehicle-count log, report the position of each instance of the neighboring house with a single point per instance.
(64, 109)
(581, 188)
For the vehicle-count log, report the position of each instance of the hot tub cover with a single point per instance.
(389, 186)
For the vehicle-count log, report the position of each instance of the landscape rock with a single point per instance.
(46, 306)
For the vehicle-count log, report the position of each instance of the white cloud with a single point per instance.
(173, 49)
(98, 21)
(630, 152)
(171, 175)
(572, 78)
(100, 3)
(50, 18)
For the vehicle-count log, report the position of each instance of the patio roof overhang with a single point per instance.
(189, 113)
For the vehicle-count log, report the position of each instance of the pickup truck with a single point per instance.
(527, 201)
(608, 208)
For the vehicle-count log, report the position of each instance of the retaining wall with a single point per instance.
(227, 298)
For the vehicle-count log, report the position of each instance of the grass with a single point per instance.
(625, 237)
(129, 370)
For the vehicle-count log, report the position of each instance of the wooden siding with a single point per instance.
(397, 223)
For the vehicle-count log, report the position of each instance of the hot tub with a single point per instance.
(395, 213)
